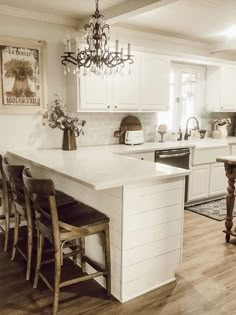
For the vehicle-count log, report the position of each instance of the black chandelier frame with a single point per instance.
(97, 54)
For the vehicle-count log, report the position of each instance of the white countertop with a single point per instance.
(102, 167)
(98, 168)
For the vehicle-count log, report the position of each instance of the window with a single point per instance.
(187, 85)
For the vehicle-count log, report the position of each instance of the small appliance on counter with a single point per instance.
(131, 131)
(134, 137)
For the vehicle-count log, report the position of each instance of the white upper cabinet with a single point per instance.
(95, 93)
(126, 87)
(155, 82)
(221, 88)
(146, 88)
(228, 87)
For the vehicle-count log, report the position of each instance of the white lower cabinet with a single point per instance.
(198, 182)
(207, 180)
(218, 180)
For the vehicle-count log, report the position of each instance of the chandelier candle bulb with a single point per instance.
(68, 43)
(117, 46)
(129, 49)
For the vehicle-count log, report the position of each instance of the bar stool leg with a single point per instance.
(7, 229)
(76, 247)
(57, 278)
(6, 209)
(107, 259)
(82, 247)
(29, 251)
(16, 235)
(39, 258)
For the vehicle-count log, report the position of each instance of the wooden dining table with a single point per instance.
(230, 170)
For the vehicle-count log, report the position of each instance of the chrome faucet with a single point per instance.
(186, 135)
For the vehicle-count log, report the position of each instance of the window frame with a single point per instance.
(179, 69)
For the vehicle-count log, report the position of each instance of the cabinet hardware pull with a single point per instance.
(164, 156)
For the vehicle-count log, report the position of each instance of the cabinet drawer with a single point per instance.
(209, 155)
(147, 156)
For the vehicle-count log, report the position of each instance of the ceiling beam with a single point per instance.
(128, 9)
(228, 45)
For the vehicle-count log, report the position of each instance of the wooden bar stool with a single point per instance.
(60, 225)
(6, 202)
(13, 174)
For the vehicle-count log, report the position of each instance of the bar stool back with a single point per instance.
(14, 176)
(62, 225)
(6, 200)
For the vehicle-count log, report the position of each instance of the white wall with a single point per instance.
(19, 131)
(26, 131)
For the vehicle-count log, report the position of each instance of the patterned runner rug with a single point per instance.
(213, 209)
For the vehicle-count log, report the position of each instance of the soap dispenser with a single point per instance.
(180, 134)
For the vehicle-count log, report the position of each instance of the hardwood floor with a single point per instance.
(205, 283)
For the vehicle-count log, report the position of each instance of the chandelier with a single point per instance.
(96, 56)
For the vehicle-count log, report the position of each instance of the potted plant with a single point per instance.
(220, 127)
(57, 117)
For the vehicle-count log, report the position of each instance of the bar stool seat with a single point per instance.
(62, 200)
(81, 215)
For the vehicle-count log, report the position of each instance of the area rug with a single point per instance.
(213, 209)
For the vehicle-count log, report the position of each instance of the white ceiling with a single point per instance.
(201, 20)
(67, 8)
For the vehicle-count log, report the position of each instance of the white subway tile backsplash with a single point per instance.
(100, 127)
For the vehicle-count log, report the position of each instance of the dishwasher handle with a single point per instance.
(165, 156)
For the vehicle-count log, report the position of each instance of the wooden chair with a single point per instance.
(6, 202)
(60, 225)
(13, 174)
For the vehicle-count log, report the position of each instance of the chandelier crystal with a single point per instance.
(96, 56)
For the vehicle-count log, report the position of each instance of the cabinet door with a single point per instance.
(218, 179)
(126, 87)
(228, 90)
(213, 86)
(198, 186)
(155, 82)
(233, 149)
(95, 92)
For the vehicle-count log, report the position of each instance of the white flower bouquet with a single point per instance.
(57, 117)
(221, 122)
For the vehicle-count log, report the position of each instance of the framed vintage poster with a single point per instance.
(22, 75)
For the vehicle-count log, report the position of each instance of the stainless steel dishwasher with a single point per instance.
(173, 157)
(176, 158)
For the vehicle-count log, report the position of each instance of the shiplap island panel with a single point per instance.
(145, 203)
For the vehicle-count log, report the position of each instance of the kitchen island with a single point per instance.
(145, 203)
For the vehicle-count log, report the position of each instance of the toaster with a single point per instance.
(134, 137)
